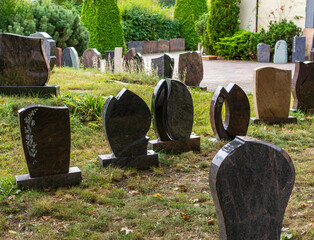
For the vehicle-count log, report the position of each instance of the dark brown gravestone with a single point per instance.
(312, 55)
(126, 121)
(177, 44)
(251, 182)
(237, 112)
(150, 47)
(109, 57)
(303, 86)
(191, 68)
(133, 61)
(272, 95)
(91, 58)
(24, 69)
(163, 45)
(46, 139)
(58, 56)
(173, 112)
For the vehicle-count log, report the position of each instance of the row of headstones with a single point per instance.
(281, 51)
(243, 171)
(160, 46)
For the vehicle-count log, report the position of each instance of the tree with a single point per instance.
(103, 21)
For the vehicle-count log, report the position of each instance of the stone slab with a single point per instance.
(288, 120)
(138, 45)
(209, 57)
(91, 58)
(263, 52)
(139, 162)
(162, 46)
(176, 146)
(281, 52)
(73, 177)
(118, 60)
(150, 47)
(308, 33)
(176, 44)
(109, 57)
(298, 49)
(58, 56)
(312, 56)
(191, 68)
(69, 58)
(42, 91)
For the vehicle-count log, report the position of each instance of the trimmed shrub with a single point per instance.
(141, 24)
(201, 24)
(222, 22)
(167, 3)
(187, 12)
(102, 19)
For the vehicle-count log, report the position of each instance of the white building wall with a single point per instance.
(248, 15)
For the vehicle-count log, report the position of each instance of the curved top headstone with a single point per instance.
(191, 68)
(69, 58)
(126, 121)
(281, 52)
(22, 61)
(251, 182)
(91, 58)
(172, 108)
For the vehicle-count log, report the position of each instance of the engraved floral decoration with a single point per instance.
(30, 144)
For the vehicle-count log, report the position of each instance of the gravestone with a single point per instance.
(150, 47)
(162, 46)
(58, 56)
(118, 60)
(126, 121)
(272, 94)
(281, 52)
(45, 133)
(133, 61)
(109, 57)
(177, 44)
(49, 45)
(303, 86)
(69, 58)
(91, 58)
(138, 45)
(164, 65)
(24, 69)
(298, 49)
(191, 68)
(263, 52)
(173, 112)
(312, 55)
(237, 112)
(251, 182)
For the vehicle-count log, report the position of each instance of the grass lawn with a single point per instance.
(172, 201)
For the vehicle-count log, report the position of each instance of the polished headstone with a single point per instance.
(58, 56)
(237, 112)
(126, 121)
(118, 60)
(191, 68)
(162, 45)
(46, 139)
(177, 44)
(138, 45)
(272, 93)
(303, 86)
(172, 108)
(164, 65)
(251, 182)
(298, 49)
(281, 52)
(91, 58)
(150, 47)
(69, 58)
(263, 52)
(22, 61)
(109, 57)
(133, 61)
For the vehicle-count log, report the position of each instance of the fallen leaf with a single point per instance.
(157, 195)
(126, 230)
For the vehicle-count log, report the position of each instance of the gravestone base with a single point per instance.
(139, 162)
(176, 146)
(73, 177)
(47, 90)
(290, 119)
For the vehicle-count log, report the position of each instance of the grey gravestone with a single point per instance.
(298, 49)
(263, 52)
(251, 182)
(138, 45)
(91, 58)
(281, 52)
(191, 68)
(69, 58)
(126, 121)
(46, 139)
(109, 57)
(164, 65)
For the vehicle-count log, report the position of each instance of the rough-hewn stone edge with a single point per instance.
(290, 119)
(41, 91)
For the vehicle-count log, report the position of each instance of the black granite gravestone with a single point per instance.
(164, 65)
(251, 182)
(263, 52)
(69, 58)
(46, 139)
(126, 121)
(137, 45)
(91, 58)
(172, 108)
(109, 57)
(23, 66)
(237, 112)
(298, 49)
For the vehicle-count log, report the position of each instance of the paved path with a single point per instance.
(222, 72)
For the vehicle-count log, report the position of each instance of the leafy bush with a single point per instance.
(7, 10)
(223, 21)
(102, 19)
(63, 25)
(141, 23)
(167, 3)
(201, 24)
(72, 5)
(187, 12)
